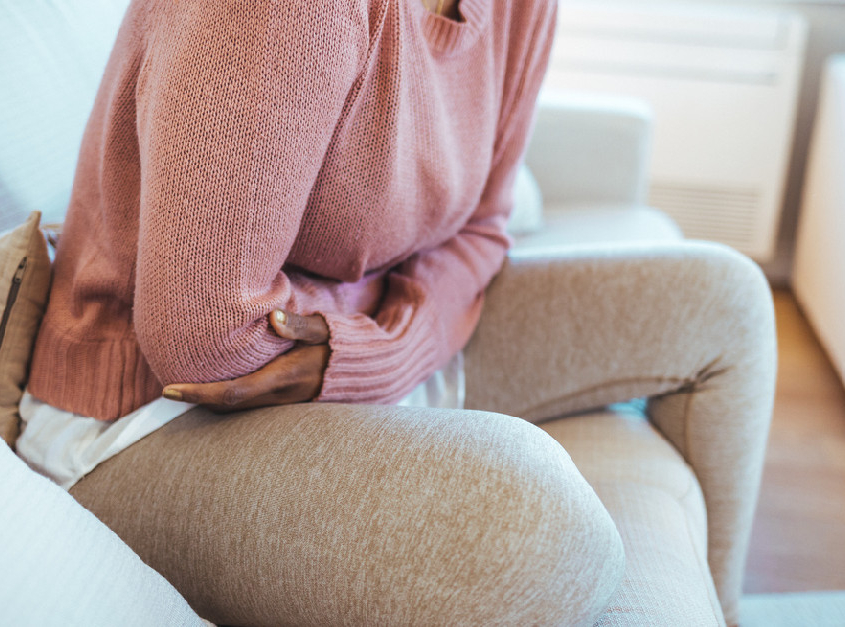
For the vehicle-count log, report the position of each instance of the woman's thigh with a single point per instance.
(569, 333)
(336, 514)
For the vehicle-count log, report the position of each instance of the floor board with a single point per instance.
(798, 539)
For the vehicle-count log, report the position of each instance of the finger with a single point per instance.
(306, 329)
(293, 377)
(224, 394)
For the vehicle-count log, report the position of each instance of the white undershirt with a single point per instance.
(65, 446)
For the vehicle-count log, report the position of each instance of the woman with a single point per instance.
(281, 202)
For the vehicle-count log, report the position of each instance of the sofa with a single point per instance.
(664, 408)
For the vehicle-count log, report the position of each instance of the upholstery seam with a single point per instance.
(609, 384)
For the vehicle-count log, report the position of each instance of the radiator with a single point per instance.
(723, 86)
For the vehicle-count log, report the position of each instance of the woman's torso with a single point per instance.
(406, 166)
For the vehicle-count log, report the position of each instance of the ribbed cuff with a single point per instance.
(371, 365)
(64, 375)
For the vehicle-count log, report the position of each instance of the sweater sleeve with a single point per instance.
(433, 300)
(236, 106)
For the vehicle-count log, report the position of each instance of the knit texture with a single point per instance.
(354, 158)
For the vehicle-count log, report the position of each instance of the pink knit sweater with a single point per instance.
(348, 157)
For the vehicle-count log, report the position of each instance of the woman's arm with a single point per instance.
(433, 300)
(236, 105)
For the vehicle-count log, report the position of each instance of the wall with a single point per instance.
(826, 22)
(826, 37)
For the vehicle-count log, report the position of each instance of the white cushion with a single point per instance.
(62, 566)
(597, 224)
(591, 148)
(819, 609)
(527, 215)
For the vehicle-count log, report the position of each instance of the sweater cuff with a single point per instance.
(371, 365)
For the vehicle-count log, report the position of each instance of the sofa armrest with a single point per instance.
(689, 325)
(591, 148)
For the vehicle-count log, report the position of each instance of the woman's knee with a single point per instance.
(342, 514)
(569, 559)
(516, 535)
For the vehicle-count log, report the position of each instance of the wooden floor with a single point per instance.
(798, 540)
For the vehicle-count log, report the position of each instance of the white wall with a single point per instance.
(827, 36)
(826, 20)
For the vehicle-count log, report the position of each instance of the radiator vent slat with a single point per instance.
(727, 215)
(722, 82)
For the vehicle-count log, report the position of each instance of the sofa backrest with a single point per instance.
(52, 56)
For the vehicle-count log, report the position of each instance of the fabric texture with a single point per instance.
(65, 447)
(24, 284)
(323, 514)
(63, 567)
(657, 505)
(368, 148)
(689, 325)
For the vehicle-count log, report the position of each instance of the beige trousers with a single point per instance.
(688, 325)
(337, 514)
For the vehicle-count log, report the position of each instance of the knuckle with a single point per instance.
(231, 396)
(298, 325)
(318, 329)
(314, 330)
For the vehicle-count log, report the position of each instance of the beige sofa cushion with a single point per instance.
(657, 505)
(24, 285)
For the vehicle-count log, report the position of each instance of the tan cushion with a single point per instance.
(24, 285)
(657, 505)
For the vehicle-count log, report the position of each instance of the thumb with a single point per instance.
(306, 329)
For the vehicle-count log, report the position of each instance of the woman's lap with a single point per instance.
(323, 514)
(335, 513)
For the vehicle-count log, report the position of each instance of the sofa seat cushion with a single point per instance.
(658, 507)
(565, 226)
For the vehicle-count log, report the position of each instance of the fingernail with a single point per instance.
(281, 317)
(173, 395)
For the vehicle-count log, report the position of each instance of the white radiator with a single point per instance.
(723, 86)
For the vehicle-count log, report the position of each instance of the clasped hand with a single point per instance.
(293, 377)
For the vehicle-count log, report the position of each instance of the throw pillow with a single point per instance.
(527, 214)
(24, 285)
(62, 566)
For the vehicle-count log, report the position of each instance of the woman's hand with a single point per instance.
(294, 377)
